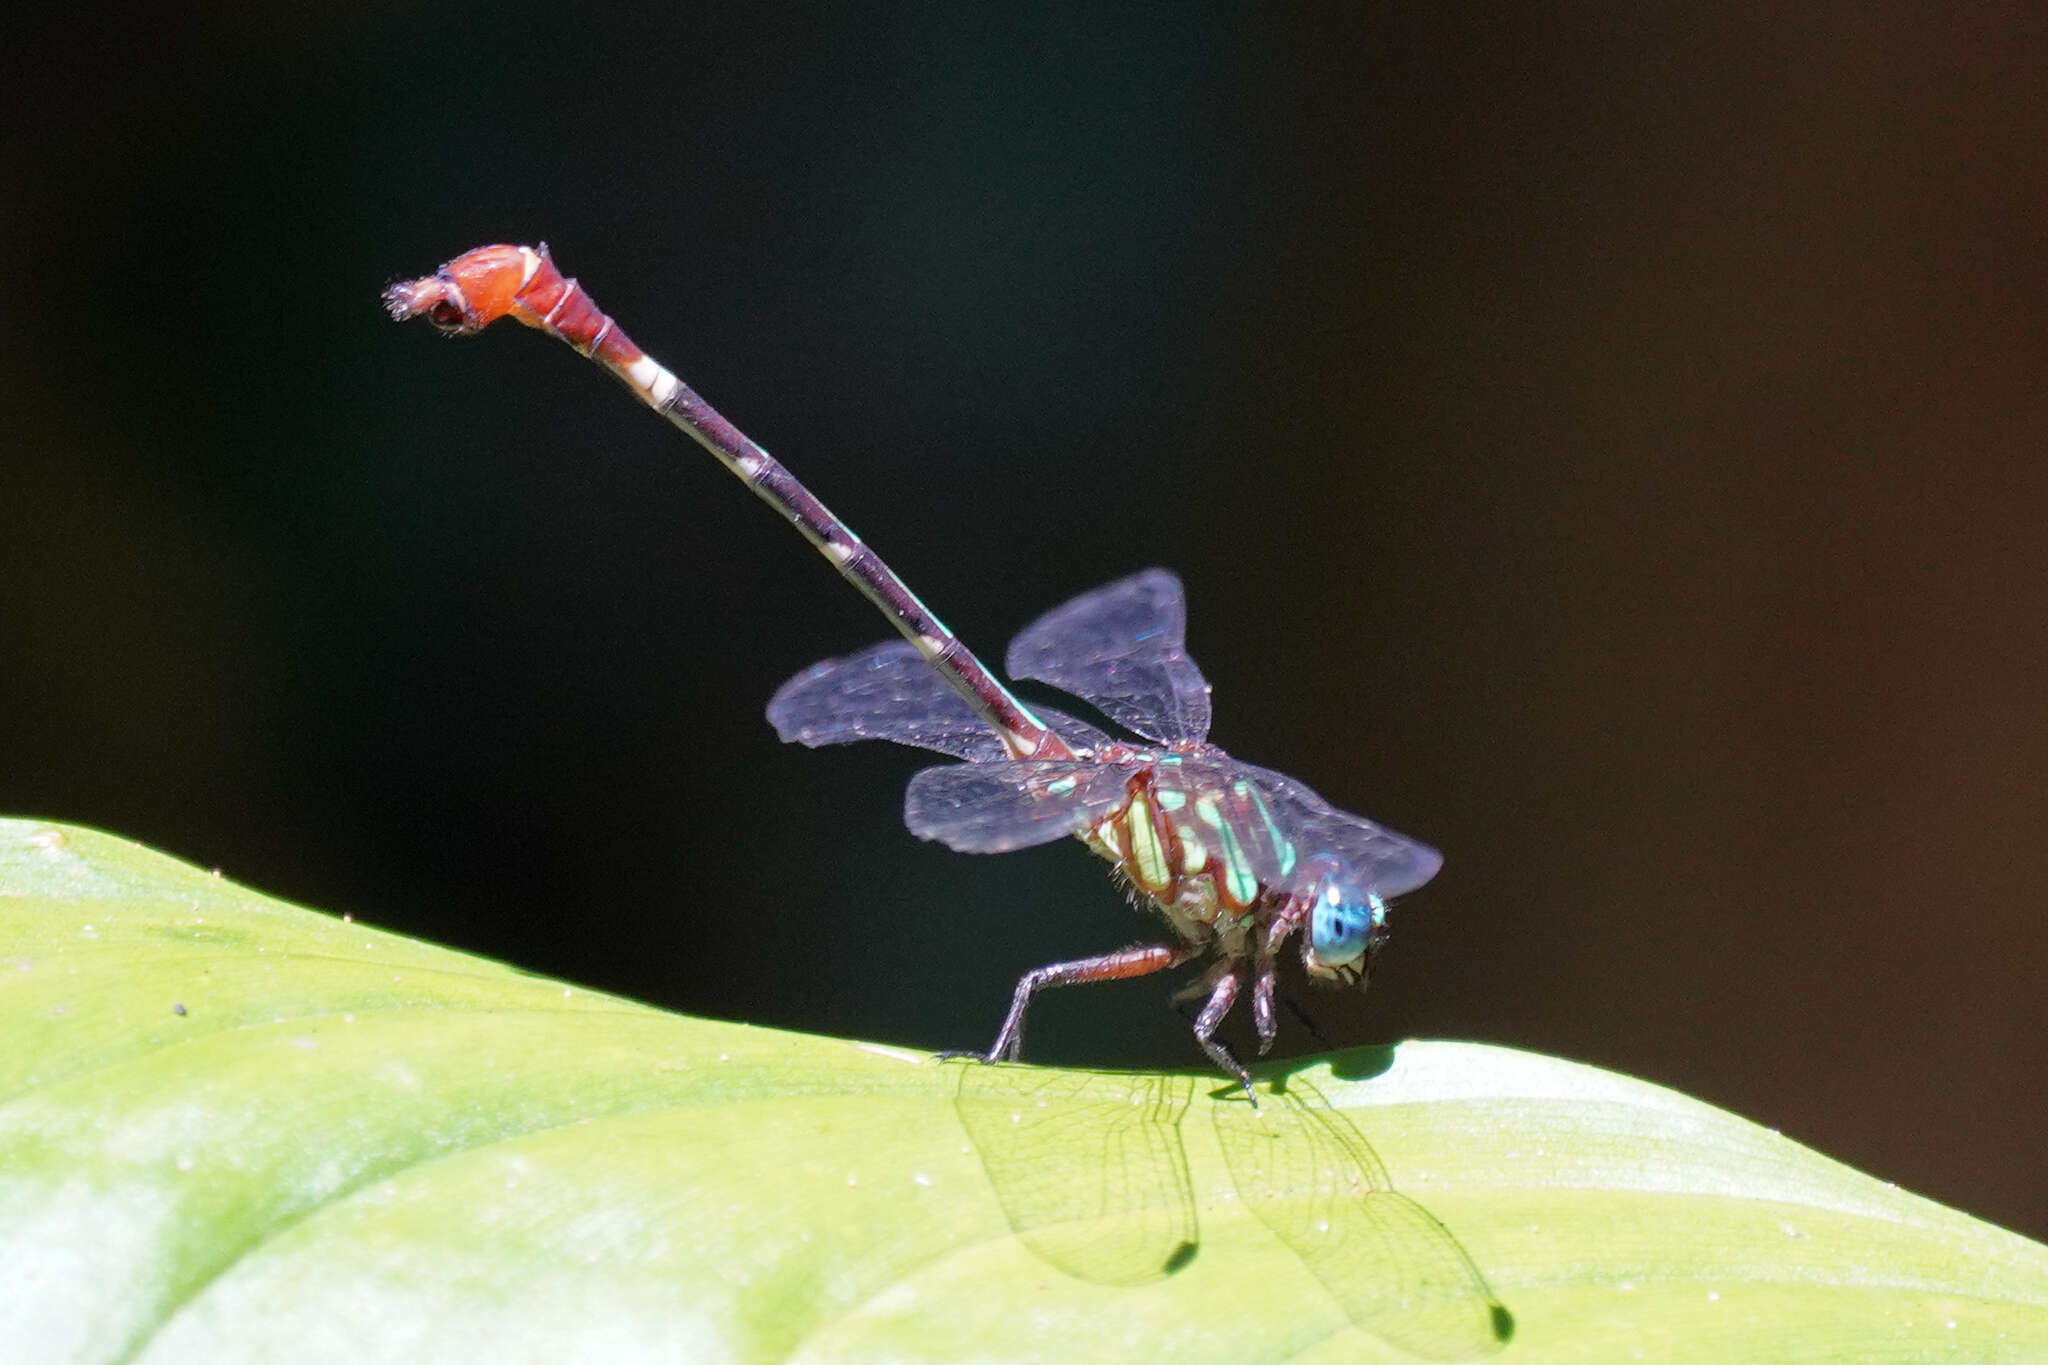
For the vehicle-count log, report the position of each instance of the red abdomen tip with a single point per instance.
(470, 292)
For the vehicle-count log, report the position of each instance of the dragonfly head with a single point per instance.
(1347, 922)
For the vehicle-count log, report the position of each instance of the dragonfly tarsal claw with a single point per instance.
(1226, 1060)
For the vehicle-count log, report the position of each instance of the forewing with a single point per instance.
(1123, 647)
(1088, 1166)
(1384, 860)
(997, 807)
(890, 692)
(1308, 1174)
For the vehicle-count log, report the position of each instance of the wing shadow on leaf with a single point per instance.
(1307, 1173)
(1093, 1177)
(1088, 1166)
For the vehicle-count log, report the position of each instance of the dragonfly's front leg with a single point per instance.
(1140, 961)
(1265, 982)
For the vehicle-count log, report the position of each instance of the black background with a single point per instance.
(1606, 444)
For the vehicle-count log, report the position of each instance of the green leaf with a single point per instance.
(235, 1130)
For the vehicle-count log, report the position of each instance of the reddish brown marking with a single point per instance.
(1226, 903)
(489, 279)
(490, 283)
(1122, 966)
(1143, 783)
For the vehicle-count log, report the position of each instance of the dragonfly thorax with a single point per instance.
(1180, 837)
(1201, 844)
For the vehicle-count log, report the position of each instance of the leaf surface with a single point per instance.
(232, 1129)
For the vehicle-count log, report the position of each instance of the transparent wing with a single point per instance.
(1088, 1166)
(1123, 648)
(1309, 1175)
(890, 692)
(1384, 860)
(997, 807)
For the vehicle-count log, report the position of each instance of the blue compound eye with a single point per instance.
(1342, 925)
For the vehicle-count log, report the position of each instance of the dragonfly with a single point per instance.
(1093, 1177)
(1238, 860)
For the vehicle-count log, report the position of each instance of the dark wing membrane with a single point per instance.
(1122, 647)
(1384, 860)
(890, 692)
(1088, 1166)
(1308, 1174)
(997, 807)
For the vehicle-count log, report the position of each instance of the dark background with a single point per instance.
(1606, 444)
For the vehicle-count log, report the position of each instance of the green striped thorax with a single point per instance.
(1212, 855)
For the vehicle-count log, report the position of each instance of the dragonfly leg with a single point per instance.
(1222, 995)
(1139, 961)
(1264, 983)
